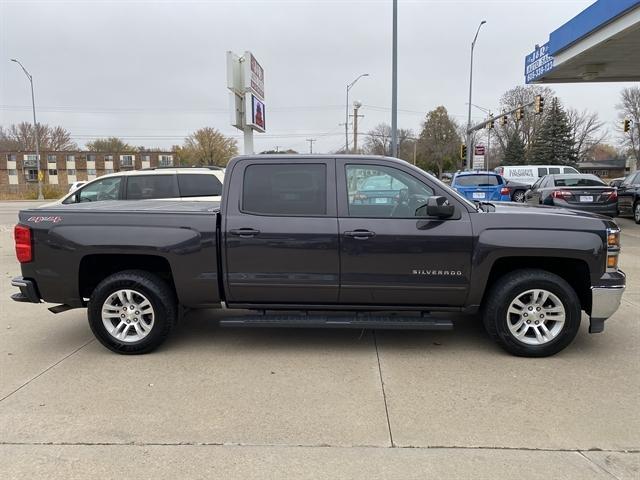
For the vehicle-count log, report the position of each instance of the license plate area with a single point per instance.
(586, 198)
(477, 195)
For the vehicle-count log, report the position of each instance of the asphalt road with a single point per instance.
(262, 403)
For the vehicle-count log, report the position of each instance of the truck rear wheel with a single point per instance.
(132, 312)
(532, 313)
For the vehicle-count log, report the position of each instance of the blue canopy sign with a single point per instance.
(537, 63)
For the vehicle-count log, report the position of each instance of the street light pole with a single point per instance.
(473, 44)
(394, 83)
(346, 113)
(35, 128)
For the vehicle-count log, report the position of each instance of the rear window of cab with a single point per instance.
(480, 180)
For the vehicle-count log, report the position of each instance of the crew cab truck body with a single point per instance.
(294, 241)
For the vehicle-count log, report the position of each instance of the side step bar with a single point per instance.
(353, 321)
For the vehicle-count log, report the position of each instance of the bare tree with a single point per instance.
(378, 141)
(528, 126)
(21, 137)
(629, 108)
(587, 131)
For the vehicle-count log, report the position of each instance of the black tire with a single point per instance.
(518, 196)
(159, 294)
(508, 288)
(636, 212)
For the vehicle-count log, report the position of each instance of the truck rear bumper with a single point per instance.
(604, 303)
(28, 290)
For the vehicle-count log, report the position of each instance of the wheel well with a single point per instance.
(575, 272)
(95, 268)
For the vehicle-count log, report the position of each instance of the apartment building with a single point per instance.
(64, 168)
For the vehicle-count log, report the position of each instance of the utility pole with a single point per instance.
(311, 140)
(277, 148)
(394, 83)
(35, 130)
(346, 113)
(356, 107)
(469, 147)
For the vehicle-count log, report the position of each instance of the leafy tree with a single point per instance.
(554, 142)
(439, 141)
(109, 145)
(629, 108)
(207, 146)
(287, 151)
(21, 137)
(514, 152)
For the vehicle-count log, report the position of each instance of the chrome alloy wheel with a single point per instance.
(128, 315)
(535, 317)
(636, 213)
(518, 196)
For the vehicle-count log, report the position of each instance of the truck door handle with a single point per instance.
(244, 232)
(360, 234)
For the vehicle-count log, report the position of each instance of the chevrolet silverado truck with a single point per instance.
(313, 241)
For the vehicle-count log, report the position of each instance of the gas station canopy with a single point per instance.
(600, 44)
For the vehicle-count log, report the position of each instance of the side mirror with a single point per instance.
(436, 207)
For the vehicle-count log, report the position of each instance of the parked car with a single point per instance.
(579, 191)
(529, 174)
(482, 186)
(161, 183)
(517, 190)
(629, 197)
(75, 185)
(287, 236)
(616, 182)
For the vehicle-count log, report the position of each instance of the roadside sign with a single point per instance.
(40, 176)
(255, 113)
(479, 150)
(537, 63)
(478, 157)
(254, 75)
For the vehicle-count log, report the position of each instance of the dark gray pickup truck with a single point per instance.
(324, 241)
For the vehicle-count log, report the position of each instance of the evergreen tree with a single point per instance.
(514, 152)
(554, 142)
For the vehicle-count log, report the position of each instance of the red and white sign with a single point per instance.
(254, 75)
(479, 150)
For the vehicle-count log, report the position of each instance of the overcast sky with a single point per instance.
(151, 72)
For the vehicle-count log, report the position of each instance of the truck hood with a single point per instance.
(514, 208)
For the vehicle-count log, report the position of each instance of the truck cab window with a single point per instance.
(376, 191)
(105, 189)
(291, 189)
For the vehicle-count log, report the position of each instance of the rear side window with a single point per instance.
(569, 170)
(195, 185)
(143, 187)
(292, 189)
(553, 170)
(542, 172)
(478, 180)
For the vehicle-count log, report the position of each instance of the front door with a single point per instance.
(280, 232)
(388, 256)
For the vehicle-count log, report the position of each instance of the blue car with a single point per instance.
(481, 186)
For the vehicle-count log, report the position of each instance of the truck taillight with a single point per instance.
(24, 250)
(563, 194)
(504, 191)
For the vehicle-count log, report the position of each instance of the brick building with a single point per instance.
(64, 168)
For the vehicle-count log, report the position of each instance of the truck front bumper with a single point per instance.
(28, 290)
(604, 303)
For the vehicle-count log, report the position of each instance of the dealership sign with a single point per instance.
(254, 75)
(537, 63)
(255, 112)
(245, 81)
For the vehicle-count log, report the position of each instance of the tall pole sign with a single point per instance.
(245, 81)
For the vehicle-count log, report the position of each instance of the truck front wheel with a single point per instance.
(532, 313)
(132, 312)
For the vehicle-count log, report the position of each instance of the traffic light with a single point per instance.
(490, 123)
(626, 125)
(463, 151)
(503, 120)
(519, 113)
(539, 104)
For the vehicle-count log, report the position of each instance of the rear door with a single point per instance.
(388, 256)
(280, 232)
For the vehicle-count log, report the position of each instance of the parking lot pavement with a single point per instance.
(275, 403)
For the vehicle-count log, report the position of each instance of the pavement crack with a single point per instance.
(46, 370)
(384, 394)
(599, 467)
